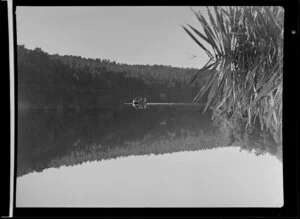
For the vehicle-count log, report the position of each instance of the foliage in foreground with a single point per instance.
(243, 77)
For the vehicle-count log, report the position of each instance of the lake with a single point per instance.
(159, 157)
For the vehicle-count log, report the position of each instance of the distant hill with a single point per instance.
(54, 81)
(149, 73)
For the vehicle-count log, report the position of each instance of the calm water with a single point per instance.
(166, 156)
(223, 177)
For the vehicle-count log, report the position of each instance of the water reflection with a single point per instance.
(55, 138)
(222, 177)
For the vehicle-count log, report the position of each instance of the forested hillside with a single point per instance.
(149, 73)
(53, 81)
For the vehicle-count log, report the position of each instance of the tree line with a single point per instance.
(54, 81)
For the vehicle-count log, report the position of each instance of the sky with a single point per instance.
(207, 178)
(132, 35)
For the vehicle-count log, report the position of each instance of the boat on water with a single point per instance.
(140, 103)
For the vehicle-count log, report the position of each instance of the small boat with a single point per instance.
(140, 103)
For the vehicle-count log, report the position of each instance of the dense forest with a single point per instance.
(52, 81)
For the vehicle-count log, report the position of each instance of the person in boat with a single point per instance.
(139, 103)
(135, 103)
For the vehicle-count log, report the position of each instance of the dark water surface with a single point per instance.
(68, 137)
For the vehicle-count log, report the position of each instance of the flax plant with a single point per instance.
(243, 77)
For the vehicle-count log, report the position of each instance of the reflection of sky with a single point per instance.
(212, 178)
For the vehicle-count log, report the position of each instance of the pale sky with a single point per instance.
(222, 177)
(133, 35)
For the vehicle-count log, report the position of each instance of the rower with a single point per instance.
(135, 103)
(139, 103)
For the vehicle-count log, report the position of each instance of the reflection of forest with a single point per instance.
(52, 139)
